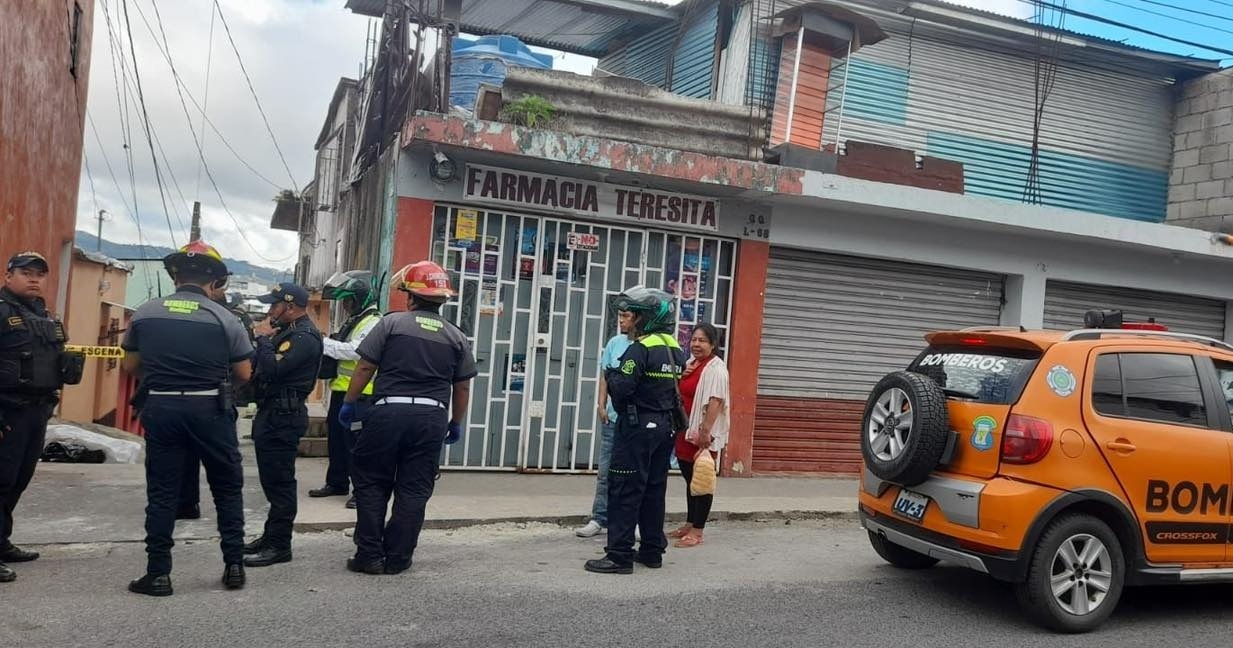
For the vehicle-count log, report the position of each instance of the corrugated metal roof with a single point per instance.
(587, 27)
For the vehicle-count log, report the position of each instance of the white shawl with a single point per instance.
(713, 383)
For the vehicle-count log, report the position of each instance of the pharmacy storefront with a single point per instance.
(537, 260)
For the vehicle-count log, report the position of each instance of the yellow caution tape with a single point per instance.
(108, 352)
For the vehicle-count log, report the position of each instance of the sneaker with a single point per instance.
(591, 530)
(7, 575)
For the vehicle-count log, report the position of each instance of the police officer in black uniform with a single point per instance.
(644, 392)
(33, 367)
(423, 363)
(190, 490)
(189, 351)
(288, 355)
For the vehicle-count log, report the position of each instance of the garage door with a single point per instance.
(1065, 304)
(833, 326)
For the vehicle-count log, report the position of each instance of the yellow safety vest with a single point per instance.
(346, 368)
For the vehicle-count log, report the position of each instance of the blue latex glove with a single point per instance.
(346, 415)
(454, 434)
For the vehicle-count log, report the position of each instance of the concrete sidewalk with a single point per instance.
(75, 503)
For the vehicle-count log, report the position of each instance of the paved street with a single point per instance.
(810, 583)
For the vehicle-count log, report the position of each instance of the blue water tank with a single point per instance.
(484, 60)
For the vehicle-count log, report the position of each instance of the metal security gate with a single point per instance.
(534, 299)
(1066, 302)
(834, 325)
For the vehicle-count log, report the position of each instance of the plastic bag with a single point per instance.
(703, 481)
(114, 450)
(72, 453)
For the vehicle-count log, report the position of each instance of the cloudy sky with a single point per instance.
(294, 51)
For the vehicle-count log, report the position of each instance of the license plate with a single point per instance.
(911, 505)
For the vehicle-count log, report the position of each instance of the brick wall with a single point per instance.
(1201, 182)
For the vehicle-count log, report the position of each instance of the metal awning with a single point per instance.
(587, 27)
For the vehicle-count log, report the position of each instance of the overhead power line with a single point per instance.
(158, 176)
(196, 142)
(227, 28)
(1115, 23)
(205, 100)
(1197, 12)
(1165, 15)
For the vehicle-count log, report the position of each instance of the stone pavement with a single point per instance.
(74, 503)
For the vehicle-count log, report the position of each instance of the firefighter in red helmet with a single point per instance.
(424, 367)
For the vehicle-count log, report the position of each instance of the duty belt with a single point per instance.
(409, 400)
(200, 392)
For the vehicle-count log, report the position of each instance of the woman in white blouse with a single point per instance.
(704, 388)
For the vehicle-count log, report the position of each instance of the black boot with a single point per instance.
(351, 502)
(327, 491)
(152, 585)
(606, 566)
(16, 554)
(372, 568)
(7, 575)
(255, 547)
(268, 556)
(652, 562)
(233, 577)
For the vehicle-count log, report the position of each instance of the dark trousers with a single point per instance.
(341, 444)
(276, 438)
(190, 486)
(397, 452)
(174, 426)
(698, 507)
(20, 450)
(637, 486)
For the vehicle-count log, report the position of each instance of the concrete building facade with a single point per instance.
(827, 257)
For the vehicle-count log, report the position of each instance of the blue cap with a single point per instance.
(286, 292)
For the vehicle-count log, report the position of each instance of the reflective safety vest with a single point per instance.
(346, 368)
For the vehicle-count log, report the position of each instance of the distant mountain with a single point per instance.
(130, 251)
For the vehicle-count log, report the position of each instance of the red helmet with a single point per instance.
(198, 256)
(425, 279)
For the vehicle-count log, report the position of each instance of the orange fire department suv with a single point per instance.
(1069, 464)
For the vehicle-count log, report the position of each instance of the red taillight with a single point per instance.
(972, 341)
(1026, 440)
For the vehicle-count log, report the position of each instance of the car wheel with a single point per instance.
(904, 428)
(1076, 575)
(899, 555)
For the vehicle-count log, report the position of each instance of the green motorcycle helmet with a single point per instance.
(355, 285)
(654, 309)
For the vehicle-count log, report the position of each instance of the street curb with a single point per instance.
(577, 520)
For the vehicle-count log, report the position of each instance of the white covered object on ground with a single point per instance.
(117, 450)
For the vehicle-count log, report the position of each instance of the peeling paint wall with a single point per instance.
(603, 153)
(42, 110)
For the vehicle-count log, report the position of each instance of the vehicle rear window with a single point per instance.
(985, 375)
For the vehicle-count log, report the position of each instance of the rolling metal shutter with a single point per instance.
(1066, 302)
(833, 326)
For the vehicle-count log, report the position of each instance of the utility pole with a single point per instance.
(194, 231)
(98, 244)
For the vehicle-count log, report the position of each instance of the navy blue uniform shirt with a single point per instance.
(418, 353)
(187, 341)
(287, 363)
